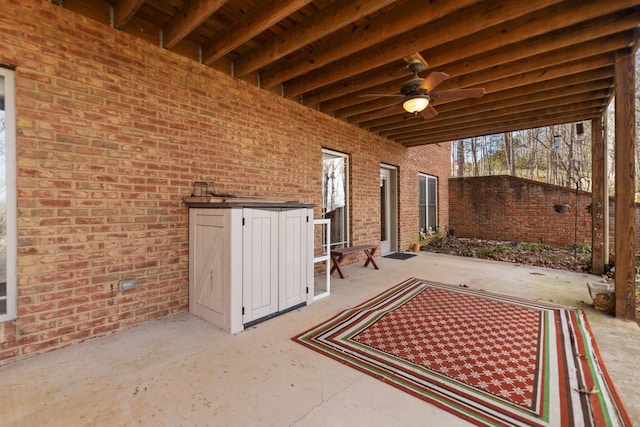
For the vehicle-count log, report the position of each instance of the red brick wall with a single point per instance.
(516, 209)
(438, 165)
(112, 132)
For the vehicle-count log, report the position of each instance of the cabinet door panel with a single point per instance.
(259, 263)
(209, 268)
(294, 258)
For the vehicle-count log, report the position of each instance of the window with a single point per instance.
(335, 204)
(427, 204)
(7, 196)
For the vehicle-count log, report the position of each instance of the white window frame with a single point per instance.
(427, 178)
(9, 90)
(346, 224)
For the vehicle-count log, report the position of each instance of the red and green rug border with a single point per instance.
(596, 376)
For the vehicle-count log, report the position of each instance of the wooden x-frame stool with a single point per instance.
(337, 255)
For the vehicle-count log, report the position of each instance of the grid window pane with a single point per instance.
(427, 204)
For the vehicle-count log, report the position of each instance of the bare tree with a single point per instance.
(556, 154)
(474, 156)
(509, 153)
(460, 158)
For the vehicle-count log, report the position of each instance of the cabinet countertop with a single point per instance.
(242, 202)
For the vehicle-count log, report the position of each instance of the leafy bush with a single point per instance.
(536, 247)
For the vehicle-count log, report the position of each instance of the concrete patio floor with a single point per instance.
(181, 371)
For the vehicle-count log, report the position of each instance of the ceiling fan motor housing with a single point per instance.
(412, 87)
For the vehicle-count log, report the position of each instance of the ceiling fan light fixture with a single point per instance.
(415, 104)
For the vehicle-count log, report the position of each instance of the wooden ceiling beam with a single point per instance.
(510, 122)
(373, 105)
(553, 58)
(511, 81)
(563, 62)
(123, 11)
(485, 113)
(452, 121)
(317, 26)
(482, 115)
(478, 55)
(575, 36)
(244, 29)
(507, 127)
(467, 21)
(498, 101)
(386, 76)
(186, 20)
(405, 120)
(490, 111)
(526, 20)
(539, 59)
(397, 21)
(522, 91)
(511, 127)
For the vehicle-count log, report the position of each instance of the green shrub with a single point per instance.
(495, 251)
(538, 247)
(583, 248)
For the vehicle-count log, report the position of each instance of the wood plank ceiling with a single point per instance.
(541, 62)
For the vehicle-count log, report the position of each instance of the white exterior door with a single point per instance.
(388, 210)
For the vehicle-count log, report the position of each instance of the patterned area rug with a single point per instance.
(488, 358)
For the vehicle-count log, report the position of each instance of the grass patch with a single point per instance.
(535, 247)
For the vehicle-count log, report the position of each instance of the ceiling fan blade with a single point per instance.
(429, 112)
(433, 80)
(458, 93)
(388, 95)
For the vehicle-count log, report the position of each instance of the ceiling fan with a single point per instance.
(418, 94)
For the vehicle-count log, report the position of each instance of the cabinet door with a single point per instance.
(294, 257)
(259, 263)
(209, 271)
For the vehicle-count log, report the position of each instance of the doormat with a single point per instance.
(490, 359)
(399, 255)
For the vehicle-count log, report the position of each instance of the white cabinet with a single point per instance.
(247, 264)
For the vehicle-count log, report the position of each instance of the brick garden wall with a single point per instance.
(111, 133)
(516, 209)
